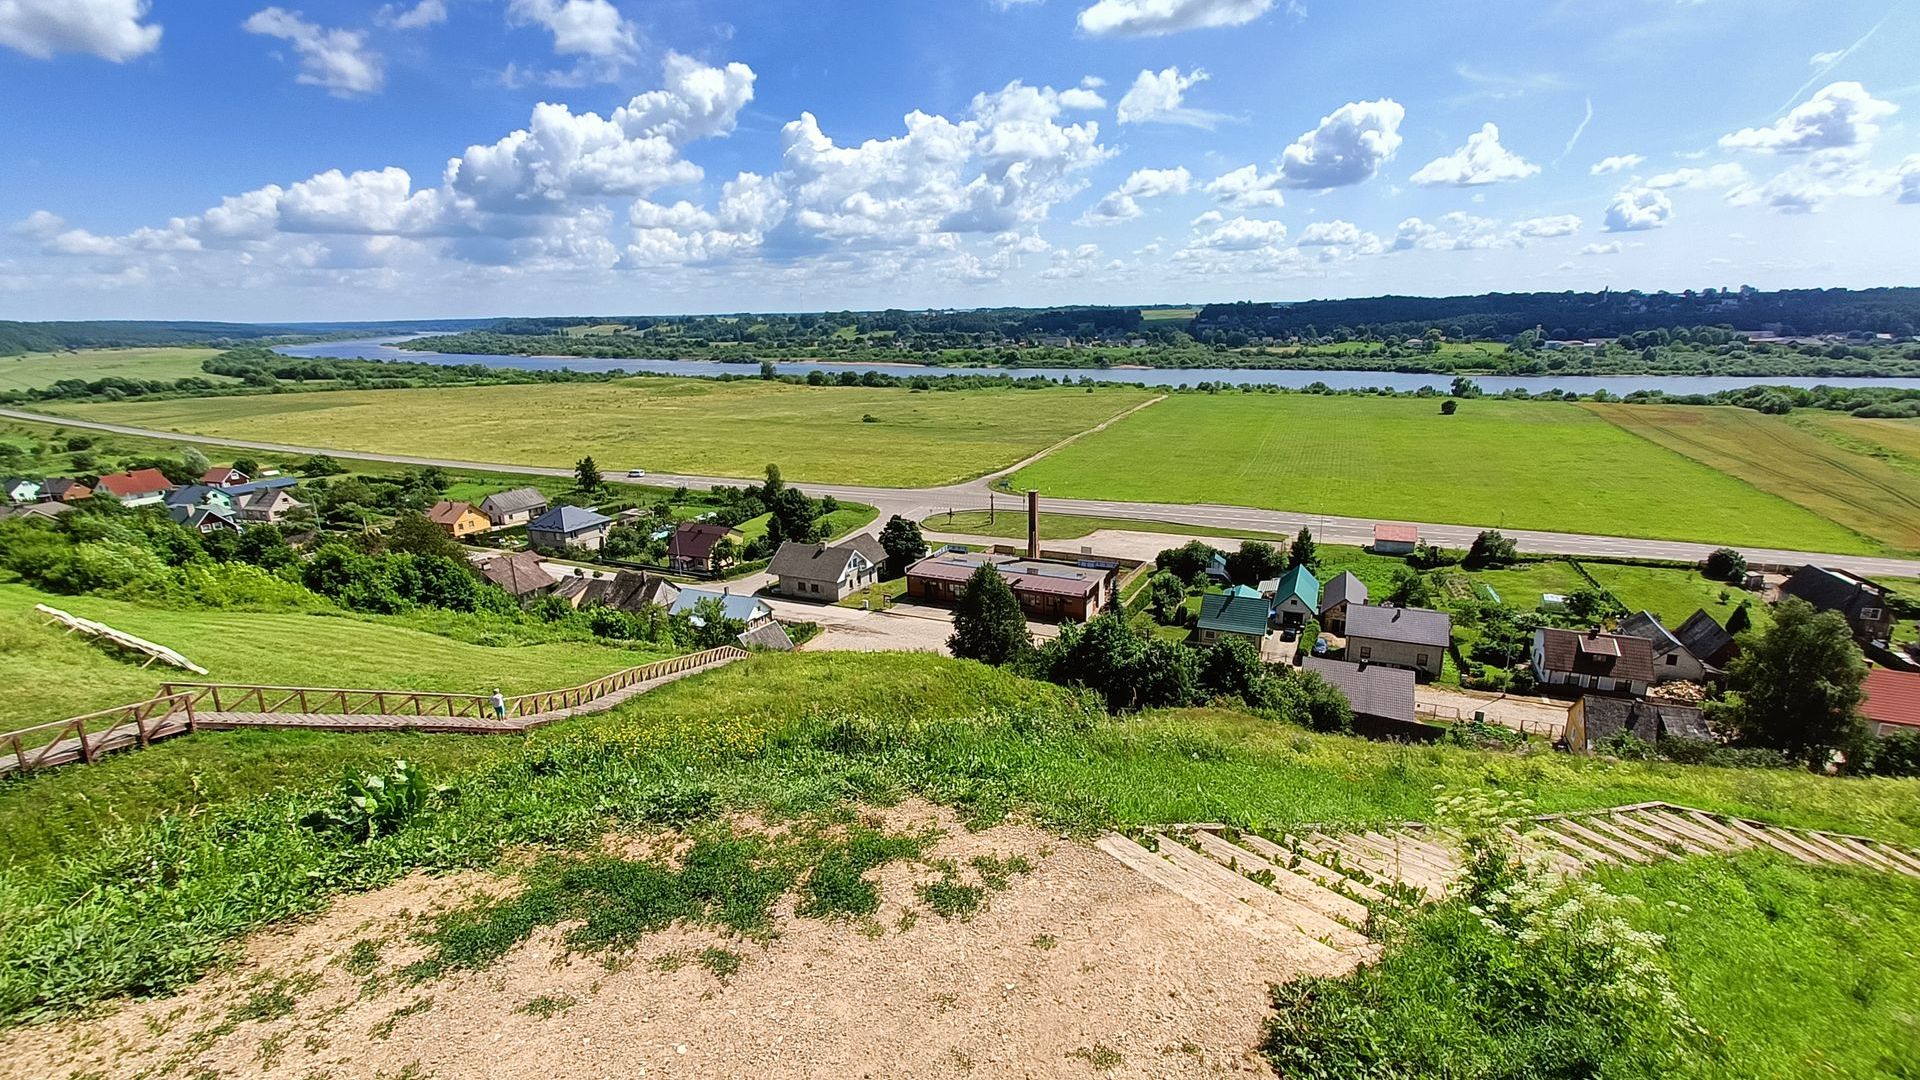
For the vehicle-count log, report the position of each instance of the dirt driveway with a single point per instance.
(1534, 716)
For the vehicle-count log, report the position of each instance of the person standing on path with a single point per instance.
(499, 705)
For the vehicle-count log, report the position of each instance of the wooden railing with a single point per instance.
(232, 697)
(84, 738)
(175, 711)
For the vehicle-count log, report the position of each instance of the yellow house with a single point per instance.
(458, 518)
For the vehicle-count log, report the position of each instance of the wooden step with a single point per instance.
(1308, 922)
(1604, 825)
(1658, 833)
(1312, 869)
(1287, 883)
(1623, 852)
(1713, 840)
(1541, 837)
(1204, 891)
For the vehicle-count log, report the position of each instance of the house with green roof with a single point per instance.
(1295, 596)
(1239, 612)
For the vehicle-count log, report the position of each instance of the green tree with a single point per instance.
(1741, 620)
(1255, 562)
(1231, 667)
(1167, 597)
(768, 371)
(586, 475)
(794, 517)
(1188, 562)
(988, 624)
(1303, 553)
(1800, 684)
(246, 465)
(904, 545)
(1127, 668)
(1490, 549)
(412, 532)
(1726, 564)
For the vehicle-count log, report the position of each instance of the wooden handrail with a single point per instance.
(177, 698)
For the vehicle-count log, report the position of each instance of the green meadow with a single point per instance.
(33, 371)
(1504, 464)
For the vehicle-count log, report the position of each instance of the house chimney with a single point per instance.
(1033, 523)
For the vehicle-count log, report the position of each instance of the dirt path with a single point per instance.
(1081, 968)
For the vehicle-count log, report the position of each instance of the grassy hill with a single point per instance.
(61, 675)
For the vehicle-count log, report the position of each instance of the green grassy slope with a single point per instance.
(35, 370)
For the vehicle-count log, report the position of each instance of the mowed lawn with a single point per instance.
(35, 370)
(53, 675)
(695, 426)
(1507, 464)
(1861, 492)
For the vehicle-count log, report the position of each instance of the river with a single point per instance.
(383, 349)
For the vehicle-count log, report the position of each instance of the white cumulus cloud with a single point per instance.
(110, 29)
(1616, 163)
(1720, 176)
(1637, 209)
(417, 17)
(1123, 203)
(1159, 97)
(1842, 116)
(1156, 18)
(590, 28)
(1910, 179)
(1482, 161)
(1247, 188)
(336, 60)
(1348, 147)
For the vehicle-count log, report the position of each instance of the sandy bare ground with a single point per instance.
(1081, 968)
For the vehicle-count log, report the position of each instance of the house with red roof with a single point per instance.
(140, 487)
(1395, 539)
(224, 476)
(1893, 702)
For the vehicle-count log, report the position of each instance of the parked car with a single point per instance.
(635, 474)
(1321, 645)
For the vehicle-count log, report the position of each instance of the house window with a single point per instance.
(1421, 660)
(1870, 614)
(1673, 659)
(1366, 652)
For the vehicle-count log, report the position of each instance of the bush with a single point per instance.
(372, 805)
(1524, 976)
(1727, 565)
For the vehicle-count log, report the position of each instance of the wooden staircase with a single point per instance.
(1318, 889)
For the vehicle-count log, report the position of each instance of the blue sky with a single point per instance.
(355, 159)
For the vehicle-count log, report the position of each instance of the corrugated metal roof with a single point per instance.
(1411, 626)
(1239, 610)
(1372, 689)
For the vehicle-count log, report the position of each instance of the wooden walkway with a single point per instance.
(182, 710)
(1316, 889)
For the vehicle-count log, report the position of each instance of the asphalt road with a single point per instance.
(919, 503)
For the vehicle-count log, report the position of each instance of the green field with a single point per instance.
(54, 675)
(33, 371)
(1863, 493)
(694, 426)
(1674, 594)
(1505, 464)
(1012, 524)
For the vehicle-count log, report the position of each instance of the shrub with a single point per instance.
(371, 805)
(1727, 565)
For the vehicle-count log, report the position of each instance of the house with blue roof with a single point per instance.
(1239, 612)
(745, 607)
(566, 527)
(1296, 596)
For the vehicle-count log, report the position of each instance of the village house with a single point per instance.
(828, 574)
(46, 510)
(1342, 593)
(224, 476)
(1708, 641)
(1592, 660)
(744, 607)
(1892, 706)
(629, 590)
(1671, 660)
(1862, 602)
(697, 546)
(459, 519)
(521, 575)
(1239, 612)
(566, 527)
(1395, 539)
(517, 507)
(140, 487)
(62, 489)
(1376, 692)
(200, 495)
(1596, 718)
(1047, 591)
(19, 489)
(203, 518)
(1414, 638)
(266, 506)
(1295, 596)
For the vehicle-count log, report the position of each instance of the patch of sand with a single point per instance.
(1080, 968)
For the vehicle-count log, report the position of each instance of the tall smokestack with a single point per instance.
(1033, 523)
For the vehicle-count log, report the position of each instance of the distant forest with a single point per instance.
(1492, 317)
